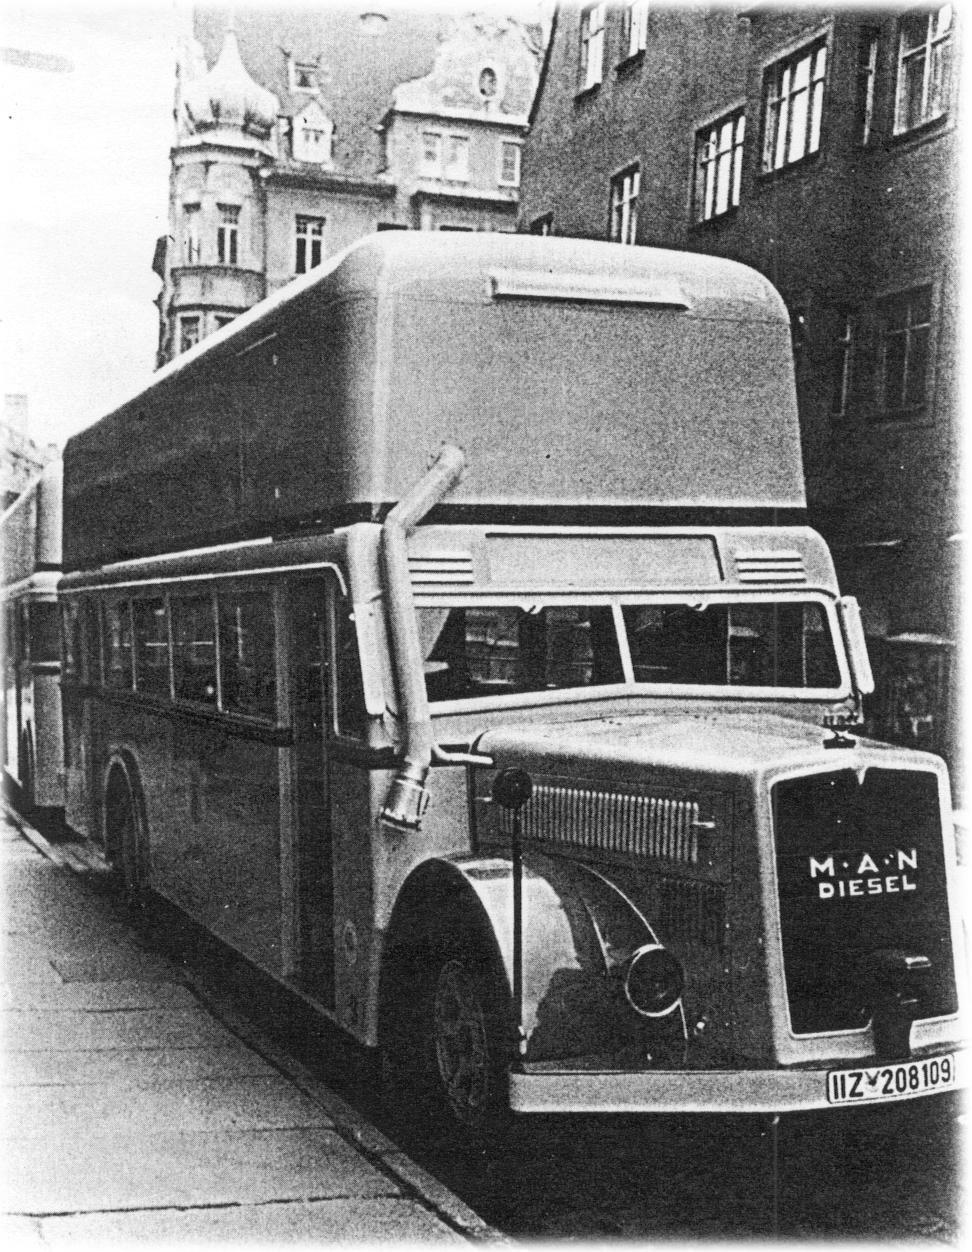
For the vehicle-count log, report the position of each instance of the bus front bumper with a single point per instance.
(548, 1088)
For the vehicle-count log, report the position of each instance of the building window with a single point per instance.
(310, 243)
(191, 243)
(793, 107)
(924, 67)
(488, 83)
(841, 364)
(867, 55)
(457, 158)
(189, 332)
(718, 165)
(444, 156)
(542, 225)
(905, 350)
(223, 319)
(589, 68)
(510, 164)
(302, 75)
(634, 28)
(431, 164)
(227, 234)
(624, 205)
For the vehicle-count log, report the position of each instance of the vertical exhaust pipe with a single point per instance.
(407, 797)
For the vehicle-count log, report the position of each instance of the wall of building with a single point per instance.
(837, 232)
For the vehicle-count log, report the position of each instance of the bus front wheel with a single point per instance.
(449, 1044)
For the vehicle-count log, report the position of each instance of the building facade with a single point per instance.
(298, 131)
(21, 459)
(820, 146)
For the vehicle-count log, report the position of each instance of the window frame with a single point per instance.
(907, 412)
(228, 235)
(591, 41)
(781, 91)
(517, 147)
(929, 45)
(296, 69)
(308, 240)
(620, 210)
(192, 233)
(146, 596)
(844, 347)
(195, 337)
(868, 56)
(453, 170)
(736, 119)
(629, 686)
(634, 29)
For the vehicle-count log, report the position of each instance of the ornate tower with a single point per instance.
(213, 262)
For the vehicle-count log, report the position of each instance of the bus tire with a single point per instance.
(448, 1044)
(125, 833)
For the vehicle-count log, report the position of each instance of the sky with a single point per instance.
(87, 92)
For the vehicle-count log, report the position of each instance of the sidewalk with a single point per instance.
(131, 1115)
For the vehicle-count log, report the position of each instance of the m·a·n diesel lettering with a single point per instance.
(843, 874)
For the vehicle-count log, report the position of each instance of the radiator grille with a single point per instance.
(771, 568)
(861, 870)
(595, 820)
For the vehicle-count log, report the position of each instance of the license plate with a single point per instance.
(891, 1082)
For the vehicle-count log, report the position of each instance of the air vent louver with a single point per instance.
(775, 569)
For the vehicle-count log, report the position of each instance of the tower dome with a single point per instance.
(228, 98)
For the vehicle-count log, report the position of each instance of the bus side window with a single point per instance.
(247, 656)
(70, 640)
(194, 648)
(45, 645)
(118, 645)
(91, 658)
(151, 646)
(349, 689)
(23, 633)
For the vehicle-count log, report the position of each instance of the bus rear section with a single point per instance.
(503, 704)
(30, 534)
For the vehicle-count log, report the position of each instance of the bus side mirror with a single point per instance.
(853, 632)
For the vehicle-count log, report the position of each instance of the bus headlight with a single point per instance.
(653, 981)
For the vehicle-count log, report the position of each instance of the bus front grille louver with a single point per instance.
(441, 568)
(775, 569)
(611, 821)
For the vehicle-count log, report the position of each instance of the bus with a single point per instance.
(30, 535)
(446, 635)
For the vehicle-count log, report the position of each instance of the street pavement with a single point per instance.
(130, 1114)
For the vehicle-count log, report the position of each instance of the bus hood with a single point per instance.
(734, 743)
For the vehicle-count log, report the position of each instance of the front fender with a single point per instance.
(578, 931)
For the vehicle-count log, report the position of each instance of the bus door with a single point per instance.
(310, 645)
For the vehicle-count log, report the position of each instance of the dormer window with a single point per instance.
(488, 83)
(302, 76)
(313, 135)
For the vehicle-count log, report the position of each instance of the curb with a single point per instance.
(364, 1137)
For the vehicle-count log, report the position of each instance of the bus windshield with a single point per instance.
(480, 650)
